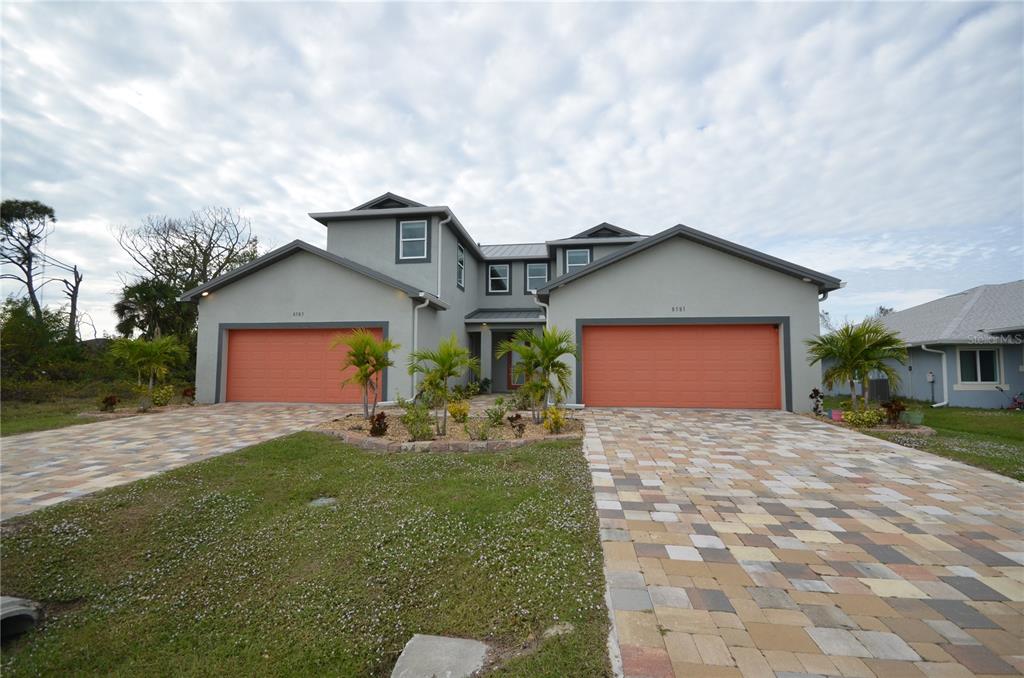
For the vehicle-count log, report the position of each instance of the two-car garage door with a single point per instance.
(728, 366)
(288, 366)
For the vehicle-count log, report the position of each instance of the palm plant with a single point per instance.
(154, 357)
(540, 363)
(369, 357)
(854, 351)
(438, 366)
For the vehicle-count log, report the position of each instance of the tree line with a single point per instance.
(42, 343)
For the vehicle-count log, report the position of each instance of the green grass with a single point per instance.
(25, 417)
(221, 567)
(989, 439)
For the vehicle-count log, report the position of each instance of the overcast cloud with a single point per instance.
(881, 143)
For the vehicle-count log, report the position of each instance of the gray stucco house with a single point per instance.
(676, 319)
(971, 344)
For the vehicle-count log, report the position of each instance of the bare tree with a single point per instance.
(71, 289)
(188, 252)
(24, 226)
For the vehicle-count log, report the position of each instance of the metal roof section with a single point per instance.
(301, 246)
(825, 283)
(388, 199)
(962, 317)
(505, 315)
(526, 250)
(605, 226)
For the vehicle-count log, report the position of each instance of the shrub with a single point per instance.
(459, 411)
(893, 409)
(163, 395)
(485, 385)
(189, 394)
(864, 418)
(522, 399)
(554, 420)
(496, 414)
(378, 425)
(517, 424)
(478, 430)
(109, 403)
(465, 392)
(417, 420)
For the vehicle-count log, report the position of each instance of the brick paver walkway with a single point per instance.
(764, 543)
(39, 469)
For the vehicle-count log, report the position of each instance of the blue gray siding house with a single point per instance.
(970, 343)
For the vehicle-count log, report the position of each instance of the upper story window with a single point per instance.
(412, 240)
(498, 279)
(979, 366)
(575, 260)
(536, 276)
(460, 266)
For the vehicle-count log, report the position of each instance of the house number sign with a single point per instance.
(678, 309)
(298, 314)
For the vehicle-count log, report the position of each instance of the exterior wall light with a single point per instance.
(205, 294)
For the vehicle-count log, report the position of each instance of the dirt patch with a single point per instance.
(354, 423)
(131, 412)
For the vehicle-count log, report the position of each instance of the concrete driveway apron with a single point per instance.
(44, 468)
(761, 543)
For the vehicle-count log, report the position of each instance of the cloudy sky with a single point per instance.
(881, 143)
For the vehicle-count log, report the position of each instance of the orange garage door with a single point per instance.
(288, 366)
(681, 366)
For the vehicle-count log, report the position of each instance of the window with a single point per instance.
(979, 366)
(412, 242)
(536, 276)
(575, 260)
(497, 279)
(460, 266)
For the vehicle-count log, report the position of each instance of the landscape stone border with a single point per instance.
(383, 445)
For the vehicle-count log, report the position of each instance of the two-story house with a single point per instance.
(676, 319)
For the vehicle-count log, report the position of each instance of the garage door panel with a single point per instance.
(681, 366)
(288, 365)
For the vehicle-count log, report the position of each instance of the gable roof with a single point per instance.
(605, 230)
(825, 283)
(967, 315)
(295, 246)
(387, 200)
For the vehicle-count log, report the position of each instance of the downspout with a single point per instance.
(440, 248)
(945, 376)
(540, 303)
(415, 328)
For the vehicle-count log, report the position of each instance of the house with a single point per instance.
(677, 319)
(970, 343)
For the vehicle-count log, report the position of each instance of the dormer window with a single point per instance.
(412, 240)
(576, 259)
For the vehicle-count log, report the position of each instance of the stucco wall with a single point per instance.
(704, 283)
(318, 290)
(372, 241)
(518, 298)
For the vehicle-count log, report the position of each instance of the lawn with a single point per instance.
(990, 439)
(24, 417)
(222, 567)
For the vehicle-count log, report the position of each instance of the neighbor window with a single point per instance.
(460, 266)
(575, 260)
(536, 276)
(413, 240)
(497, 279)
(979, 366)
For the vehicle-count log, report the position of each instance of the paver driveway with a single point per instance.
(765, 543)
(39, 469)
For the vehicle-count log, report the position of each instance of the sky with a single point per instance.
(880, 143)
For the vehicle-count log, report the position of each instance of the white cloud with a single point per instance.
(878, 142)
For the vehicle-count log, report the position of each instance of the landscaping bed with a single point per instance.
(355, 429)
(224, 568)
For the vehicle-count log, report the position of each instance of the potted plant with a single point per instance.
(912, 416)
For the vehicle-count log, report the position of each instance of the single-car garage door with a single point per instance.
(288, 366)
(732, 366)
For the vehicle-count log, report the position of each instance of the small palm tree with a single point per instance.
(541, 364)
(854, 351)
(438, 366)
(152, 357)
(368, 355)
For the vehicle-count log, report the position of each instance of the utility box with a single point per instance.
(878, 390)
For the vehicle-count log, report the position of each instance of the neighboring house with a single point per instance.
(971, 342)
(677, 319)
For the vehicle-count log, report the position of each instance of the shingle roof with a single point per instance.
(961, 316)
(526, 250)
(492, 315)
